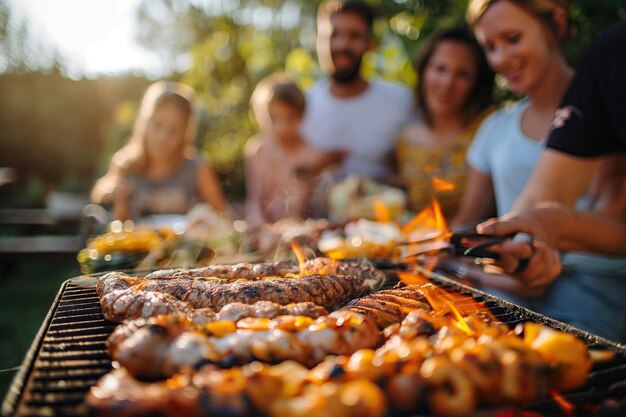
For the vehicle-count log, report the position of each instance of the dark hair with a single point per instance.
(480, 96)
(277, 87)
(361, 8)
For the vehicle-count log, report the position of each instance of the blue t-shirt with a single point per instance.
(502, 151)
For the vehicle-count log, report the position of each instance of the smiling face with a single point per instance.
(449, 77)
(165, 132)
(342, 41)
(518, 45)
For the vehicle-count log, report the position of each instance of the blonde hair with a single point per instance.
(541, 9)
(132, 159)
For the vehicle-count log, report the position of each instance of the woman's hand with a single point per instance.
(546, 225)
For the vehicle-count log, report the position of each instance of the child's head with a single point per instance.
(454, 77)
(521, 37)
(164, 128)
(278, 106)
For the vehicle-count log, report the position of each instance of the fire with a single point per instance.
(428, 221)
(381, 212)
(412, 278)
(328, 266)
(442, 186)
(566, 406)
(302, 256)
(460, 320)
(443, 302)
(300, 253)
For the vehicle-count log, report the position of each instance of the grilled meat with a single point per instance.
(229, 272)
(389, 306)
(251, 271)
(236, 311)
(323, 282)
(120, 305)
(323, 290)
(163, 345)
(255, 389)
(449, 373)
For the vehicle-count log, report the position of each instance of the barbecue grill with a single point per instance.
(68, 356)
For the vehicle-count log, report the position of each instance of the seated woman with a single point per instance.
(281, 168)
(453, 95)
(522, 40)
(158, 170)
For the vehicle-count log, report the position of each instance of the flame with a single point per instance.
(566, 406)
(381, 212)
(442, 301)
(441, 185)
(300, 253)
(429, 220)
(460, 320)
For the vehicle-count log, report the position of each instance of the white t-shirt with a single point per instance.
(367, 126)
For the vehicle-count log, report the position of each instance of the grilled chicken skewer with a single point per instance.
(435, 364)
(161, 346)
(451, 367)
(255, 389)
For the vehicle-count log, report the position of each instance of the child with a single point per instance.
(453, 95)
(158, 171)
(281, 168)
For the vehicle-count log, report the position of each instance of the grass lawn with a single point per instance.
(26, 294)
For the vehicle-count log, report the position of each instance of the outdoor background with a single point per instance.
(68, 98)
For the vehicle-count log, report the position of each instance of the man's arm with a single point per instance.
(602, 229)
(565, 229)
(558, 177)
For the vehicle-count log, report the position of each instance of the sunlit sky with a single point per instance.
(93, 36)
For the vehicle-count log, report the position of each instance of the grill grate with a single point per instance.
(66, 358)
(68, 355)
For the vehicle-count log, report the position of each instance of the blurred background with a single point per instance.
(71, 75)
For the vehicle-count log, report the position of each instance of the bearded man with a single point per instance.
(344, 110)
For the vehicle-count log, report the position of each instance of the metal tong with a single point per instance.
(466, 243)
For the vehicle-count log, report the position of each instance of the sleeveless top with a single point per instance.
(175, 194)
(437, 172)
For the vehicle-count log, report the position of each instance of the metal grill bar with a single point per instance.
(66, 358)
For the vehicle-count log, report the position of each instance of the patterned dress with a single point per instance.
(437, 172)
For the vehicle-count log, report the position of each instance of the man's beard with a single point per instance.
(348, 75)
